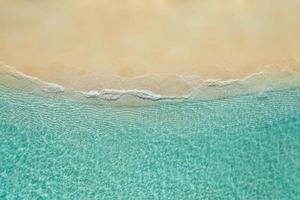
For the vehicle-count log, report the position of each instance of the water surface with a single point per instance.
(53, 146)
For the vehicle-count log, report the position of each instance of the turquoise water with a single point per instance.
(242, 147)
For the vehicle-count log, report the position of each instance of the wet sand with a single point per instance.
(89, 44)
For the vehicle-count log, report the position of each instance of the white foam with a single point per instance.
(113, 95)
(199, 89)
(194, 86)
(44, 85)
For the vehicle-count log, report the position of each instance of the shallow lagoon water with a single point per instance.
(53, 146)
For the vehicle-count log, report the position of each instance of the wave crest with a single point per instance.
(43, 85)
(191, 87)
(113, 95)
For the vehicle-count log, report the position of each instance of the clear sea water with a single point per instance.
(240, 147)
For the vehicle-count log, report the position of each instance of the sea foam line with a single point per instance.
(213, 88)
(114, 95)
(44, 85)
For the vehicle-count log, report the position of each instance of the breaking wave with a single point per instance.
(43, 85)
(113, 95)
(196, 88)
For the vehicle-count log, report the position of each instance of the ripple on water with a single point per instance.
(239, 147)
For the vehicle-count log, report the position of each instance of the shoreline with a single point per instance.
(90, 45)
(164, 87)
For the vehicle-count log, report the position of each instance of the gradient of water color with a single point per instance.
(56, 147)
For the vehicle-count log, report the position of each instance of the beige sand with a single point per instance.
(79, 43)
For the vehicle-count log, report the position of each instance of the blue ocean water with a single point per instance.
(241, 147)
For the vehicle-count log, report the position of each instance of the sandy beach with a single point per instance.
(149, 99)
(89, 44)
